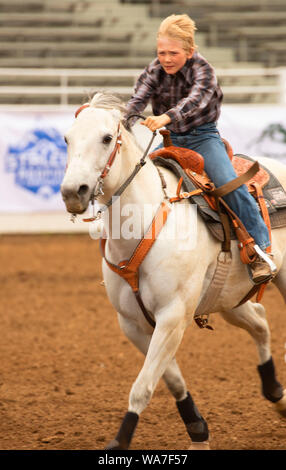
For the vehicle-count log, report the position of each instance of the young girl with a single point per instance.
(186, 98)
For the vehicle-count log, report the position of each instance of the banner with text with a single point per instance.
(33, 151)
(32, 160)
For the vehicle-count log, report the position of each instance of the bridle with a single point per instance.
(129, 269)
(98, 189)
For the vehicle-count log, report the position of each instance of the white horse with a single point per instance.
(175, 273)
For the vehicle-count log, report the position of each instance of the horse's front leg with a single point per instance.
(166, 338)
(196, 426)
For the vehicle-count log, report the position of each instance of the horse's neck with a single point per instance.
(130, 216)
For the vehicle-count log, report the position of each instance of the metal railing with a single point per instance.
(63, 90)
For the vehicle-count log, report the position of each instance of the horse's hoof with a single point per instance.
(205, 445)
(281, 405)
(113, 445)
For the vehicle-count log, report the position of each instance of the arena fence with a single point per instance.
(64, 92)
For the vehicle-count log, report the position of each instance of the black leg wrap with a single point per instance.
(125, 433)
(196, 425)
(271, 388)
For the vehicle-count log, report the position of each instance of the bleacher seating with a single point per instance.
(117, 34)
(243, 25)
(95, 36)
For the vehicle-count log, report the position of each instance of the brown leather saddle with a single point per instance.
(188, 165)
(193, 165)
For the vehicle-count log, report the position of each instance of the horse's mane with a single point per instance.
(107, 100)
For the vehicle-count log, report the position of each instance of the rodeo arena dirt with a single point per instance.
(67, 368)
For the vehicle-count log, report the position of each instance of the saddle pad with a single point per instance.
(241, 165)
(274, 194)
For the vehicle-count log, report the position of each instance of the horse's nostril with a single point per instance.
(83, 189)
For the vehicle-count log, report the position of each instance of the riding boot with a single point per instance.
(261, 271)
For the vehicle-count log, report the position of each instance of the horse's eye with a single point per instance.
(107, 139)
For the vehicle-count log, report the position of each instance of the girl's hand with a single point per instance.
(155, 122)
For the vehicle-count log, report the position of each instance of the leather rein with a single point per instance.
(129, 269)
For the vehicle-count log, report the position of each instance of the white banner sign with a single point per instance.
(255, 130)
(33, 151)
(32, 160)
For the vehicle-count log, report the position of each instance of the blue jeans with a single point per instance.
(206, 140)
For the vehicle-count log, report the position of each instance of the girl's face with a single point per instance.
(171, 54)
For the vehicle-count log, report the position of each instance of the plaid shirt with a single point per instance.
(191, 97)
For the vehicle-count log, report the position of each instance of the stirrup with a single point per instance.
(267, 260)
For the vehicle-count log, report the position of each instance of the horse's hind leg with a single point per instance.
(195, 424)
(251, 317)
(280, 280)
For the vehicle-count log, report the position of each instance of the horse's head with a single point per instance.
(93, 141)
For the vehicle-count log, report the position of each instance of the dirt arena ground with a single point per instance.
(66, 369)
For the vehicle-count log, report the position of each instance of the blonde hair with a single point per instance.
(179, 27)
